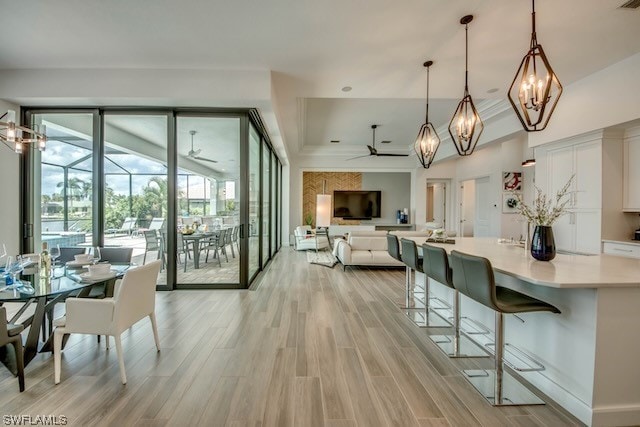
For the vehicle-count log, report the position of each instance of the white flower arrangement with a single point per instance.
(545, 210)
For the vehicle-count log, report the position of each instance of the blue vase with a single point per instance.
(543, 246)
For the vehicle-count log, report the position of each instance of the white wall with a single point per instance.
(468, 197)
(10, 193)
(491, 160)
(598, 101)
(394, 186)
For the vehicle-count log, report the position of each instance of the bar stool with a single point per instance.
(436, 266)
(393, 247)
(414, 263)
(473, 277)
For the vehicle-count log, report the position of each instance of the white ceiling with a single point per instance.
(314, 48)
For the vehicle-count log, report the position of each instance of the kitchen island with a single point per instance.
(591, 352)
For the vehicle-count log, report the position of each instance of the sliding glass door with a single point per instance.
(197, 189)
(62, 182)
(135, 185)
(208, 212)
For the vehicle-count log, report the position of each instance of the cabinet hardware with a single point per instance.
(622, 250)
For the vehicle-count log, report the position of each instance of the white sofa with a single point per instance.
(309, 241)
(365, 248)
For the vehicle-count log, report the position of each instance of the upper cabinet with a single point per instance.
(583, 162)
(595, 201)
(631, 181)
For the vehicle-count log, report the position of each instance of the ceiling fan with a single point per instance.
(374, 152)
(195, 154)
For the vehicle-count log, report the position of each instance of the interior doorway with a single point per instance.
(437, 202)
(475, 208)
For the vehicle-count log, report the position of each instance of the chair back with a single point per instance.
(157, 224)
(129, 223)
(68, 254)
(151, 239)
(393, 246)
(135, 298)
(410, 254)
(435, 264)
(4, 333)
(473, 277)
(236, 230)
(227, 236)
(222, 237)
(116, 255)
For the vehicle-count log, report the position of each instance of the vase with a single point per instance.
(543, 246)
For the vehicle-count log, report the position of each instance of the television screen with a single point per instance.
(356, 204)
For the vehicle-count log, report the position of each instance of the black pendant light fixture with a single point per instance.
(428, 141)
(466, 126)
(535, 90)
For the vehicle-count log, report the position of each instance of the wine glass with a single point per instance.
(14, 269)
(55, 254)
(96, 255)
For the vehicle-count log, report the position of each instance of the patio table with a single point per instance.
(195, 239)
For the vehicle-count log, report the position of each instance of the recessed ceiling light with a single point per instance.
(494, 90)
(347, 89)
(335, 141)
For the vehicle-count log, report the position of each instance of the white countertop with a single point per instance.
(564, 271)
(624, 242)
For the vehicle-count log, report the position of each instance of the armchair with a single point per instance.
(308, 240)
(133, 300)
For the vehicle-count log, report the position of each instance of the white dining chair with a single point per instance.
(133, 300)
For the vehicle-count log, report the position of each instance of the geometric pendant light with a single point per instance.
(535, 89)
(427, 142)
(466, 126)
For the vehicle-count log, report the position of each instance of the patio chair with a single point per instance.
(157, 224)
(211, 244)
(116, 255)
(228, 240)
(234, 237)
(128, 226)
(182, 248)
(68, 254)
(151, 244)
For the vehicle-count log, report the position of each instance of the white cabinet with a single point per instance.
(621, 249)
(631, 180)
(580, 230)
(584, 162)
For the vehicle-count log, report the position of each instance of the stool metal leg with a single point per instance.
(458, 344)
(427, 318)
(408, 292)
(498, 386)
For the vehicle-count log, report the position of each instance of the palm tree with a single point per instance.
(157, 193)
(73, 186)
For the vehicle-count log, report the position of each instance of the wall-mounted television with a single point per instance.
(356, 204)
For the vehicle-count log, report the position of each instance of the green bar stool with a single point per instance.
(436, 267)
(473, 277)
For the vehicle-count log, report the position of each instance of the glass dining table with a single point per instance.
(45, 292)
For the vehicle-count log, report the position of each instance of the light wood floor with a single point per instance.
(311, 346)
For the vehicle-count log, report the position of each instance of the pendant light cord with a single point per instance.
(466, 59)
(534, 41)
(426, 119)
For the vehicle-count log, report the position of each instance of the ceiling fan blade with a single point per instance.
(359, 157)
(203, 159)
(391, 155)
